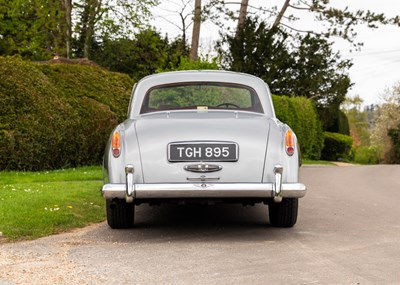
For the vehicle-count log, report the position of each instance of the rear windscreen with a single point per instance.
(201, 96)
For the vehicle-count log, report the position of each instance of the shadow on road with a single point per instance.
(166, 223)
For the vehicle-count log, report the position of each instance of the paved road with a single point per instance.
(348, 233)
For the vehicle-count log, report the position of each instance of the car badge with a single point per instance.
(203, 167)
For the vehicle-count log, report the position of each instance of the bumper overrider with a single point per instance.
(203, 189)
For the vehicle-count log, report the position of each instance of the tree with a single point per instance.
(67, 11)
(258, 51)
(137, 57)
(90, 14)
(394, 134)
(321, 75)
(183, 9)
(341, 22)
(310, 69)
(39, 29)
(196, 30)
(108, 19)
(242, 16)
(147, 53)
(358, 121)
(33, 29)
(387, 124)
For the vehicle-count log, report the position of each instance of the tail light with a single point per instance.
(116, 144)
(289, 142)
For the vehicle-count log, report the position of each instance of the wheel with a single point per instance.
(283, 214)
(120, 214)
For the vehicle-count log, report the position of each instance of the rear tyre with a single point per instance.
(120, 214)
(283, 214)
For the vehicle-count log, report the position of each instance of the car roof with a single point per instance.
(149, 82)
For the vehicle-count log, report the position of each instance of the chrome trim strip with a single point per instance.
(202, 178)
(205, 190)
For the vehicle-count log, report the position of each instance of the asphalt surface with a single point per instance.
(348, 232)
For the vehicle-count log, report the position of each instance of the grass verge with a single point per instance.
(36, 204)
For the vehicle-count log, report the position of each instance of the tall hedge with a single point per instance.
(337, 147)
(57, 115)
(300, 114)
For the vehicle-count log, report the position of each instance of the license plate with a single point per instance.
(203, 151)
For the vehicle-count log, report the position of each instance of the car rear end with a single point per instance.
(202, 149)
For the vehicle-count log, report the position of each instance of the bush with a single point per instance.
(186, 64)
(57, 115)
(366, 155)
(337, 147)
(300, 114)
(394, 135)
(340, 124)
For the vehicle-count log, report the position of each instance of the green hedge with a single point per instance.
(57, 115)
(300, 114)
(337, 147)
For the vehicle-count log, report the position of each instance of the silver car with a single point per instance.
(202, 137)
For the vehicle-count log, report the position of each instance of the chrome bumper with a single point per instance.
(130, 191)
(203, 190)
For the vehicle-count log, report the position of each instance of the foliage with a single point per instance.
(138, 57)
(366, 155)
(322, 76)
(336, 147)
(57, 115)
(31, 28)
(343, 124)
(300, 114)
(335, 22)
(186, 64)
(146, 54)
(360, 122)
(107, 19)
(394, 134)
(36, 204)
(260, 52)
(311, 70)
(41, 29)
(388, 118)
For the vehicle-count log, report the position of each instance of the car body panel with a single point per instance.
(249, 131)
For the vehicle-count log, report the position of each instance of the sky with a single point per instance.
(375, 68)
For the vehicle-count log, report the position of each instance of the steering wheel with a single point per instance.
(227, 105)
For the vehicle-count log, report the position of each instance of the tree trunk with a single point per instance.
(93, 8)
(67, 7)
(242, 16)
(196, 31)
(281, 13)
